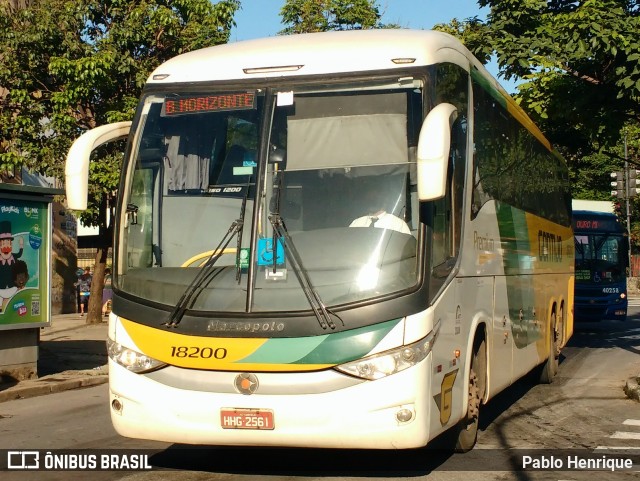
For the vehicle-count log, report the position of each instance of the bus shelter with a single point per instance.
(25, 274)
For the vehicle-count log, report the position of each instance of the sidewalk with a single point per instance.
(72, 354)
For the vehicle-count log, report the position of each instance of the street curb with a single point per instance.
(52, 333)
(632, 388)
(51, 384)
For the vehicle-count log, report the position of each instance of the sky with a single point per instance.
(261, 18)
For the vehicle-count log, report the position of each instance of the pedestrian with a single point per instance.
(107, 293)
(77, 286)
(84, 286)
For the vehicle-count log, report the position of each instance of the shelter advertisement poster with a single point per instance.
(24, 257)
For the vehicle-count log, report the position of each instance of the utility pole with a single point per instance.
(629, 194)
(626, 184)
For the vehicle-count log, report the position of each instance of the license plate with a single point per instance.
(237, 418)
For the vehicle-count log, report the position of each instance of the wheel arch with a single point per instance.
(480, 331)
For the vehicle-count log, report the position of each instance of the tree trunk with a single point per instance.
(15, 5)
(94, 311)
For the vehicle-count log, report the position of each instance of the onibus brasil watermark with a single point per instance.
(63, 460)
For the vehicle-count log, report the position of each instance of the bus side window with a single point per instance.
(141, 243)
(452, 86)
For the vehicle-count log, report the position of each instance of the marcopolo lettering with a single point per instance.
(245, 326)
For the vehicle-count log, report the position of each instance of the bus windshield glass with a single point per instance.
(248, 199)
(600, 258)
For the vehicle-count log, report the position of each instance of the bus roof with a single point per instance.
(593, 214)
(592, 205)
(331, 53)
(315, 53)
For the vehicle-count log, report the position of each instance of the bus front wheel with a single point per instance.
(467, 429)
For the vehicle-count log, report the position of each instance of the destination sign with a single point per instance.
(209, 103)
(596, 224)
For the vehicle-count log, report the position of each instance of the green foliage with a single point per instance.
(306, 16)
(473, 33)
(69, 65)
(579, 62)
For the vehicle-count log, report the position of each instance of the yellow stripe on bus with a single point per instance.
(514, 109)
(197, 352)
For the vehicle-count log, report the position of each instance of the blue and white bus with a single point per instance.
(602, 258)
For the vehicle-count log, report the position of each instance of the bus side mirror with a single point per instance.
(434, 144)
(77, 164)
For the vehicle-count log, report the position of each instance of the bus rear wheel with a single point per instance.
(549, 369)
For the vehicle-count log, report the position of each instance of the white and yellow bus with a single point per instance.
(344, 240)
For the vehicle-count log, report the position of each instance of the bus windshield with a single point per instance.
(600, 258)
(267, 194)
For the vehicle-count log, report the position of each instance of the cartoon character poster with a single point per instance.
(24, 281)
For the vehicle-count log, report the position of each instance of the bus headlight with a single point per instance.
(132, 360)
(392, 361)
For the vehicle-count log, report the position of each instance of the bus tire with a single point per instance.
(467, 428)
(549, 369)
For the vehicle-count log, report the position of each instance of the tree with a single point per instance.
(473, 33)
(15, 4)
(70, 65)
(580, 66)
(579, 61)
(628, 150)
(306, 16)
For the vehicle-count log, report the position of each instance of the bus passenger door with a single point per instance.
(501, 344)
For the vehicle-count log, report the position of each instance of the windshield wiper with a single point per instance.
(243, 208)
(280, 232)
(207, 273)
(202, 279)
(319, 309)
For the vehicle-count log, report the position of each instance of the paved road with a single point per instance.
(584, 409)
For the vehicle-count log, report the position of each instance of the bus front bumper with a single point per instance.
(586, 310)
(389, 413)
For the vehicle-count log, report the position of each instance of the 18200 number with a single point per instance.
(199, 352)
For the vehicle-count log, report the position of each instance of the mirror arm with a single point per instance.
(77, 164)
